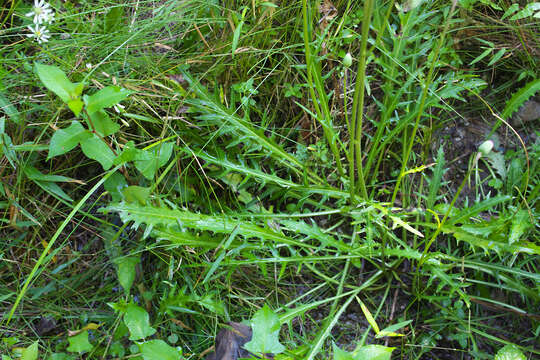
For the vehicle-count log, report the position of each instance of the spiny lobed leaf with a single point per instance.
(496, 242)
(164, 218)
(214, 112)
(520, 97)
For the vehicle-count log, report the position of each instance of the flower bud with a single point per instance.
(347, 60)
(486, 147)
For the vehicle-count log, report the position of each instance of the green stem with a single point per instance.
(425, 92)
(358, 101)
(324, 116)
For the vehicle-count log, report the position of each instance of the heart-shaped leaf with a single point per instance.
(158, 350)
(265, 325)
(79, 343)
(138, 322)
(126, 271)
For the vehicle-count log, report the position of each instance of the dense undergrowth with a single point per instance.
(170, 166)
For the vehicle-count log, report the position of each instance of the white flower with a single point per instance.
(48, 18)
(40, 33)
(41, 12)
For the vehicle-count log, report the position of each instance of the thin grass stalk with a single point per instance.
(440, 227)
(47, 249)
(324, 116)
(355, 146)
(425, 92)
(390, 101)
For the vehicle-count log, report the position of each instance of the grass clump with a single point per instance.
(172, 167)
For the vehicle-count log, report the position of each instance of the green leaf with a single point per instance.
(30, 353)
(138, 322)
(79, 343)
(129, 152)
(369, 318)
(510, 352)
(96, 149)
(113, 18)
(61, 356)
(103, 123)
(158, 350)
(529, 10)
(64, 140)
(481, 56)
(496, 159)
(34, 174)
(105, 98)
(52, 188)
(117, 350)
(211, 304)
(497, 56)
(519, 98)
(373, 352)
(126, 271)
(265, 339)
(236, 37)
(136, 193)
(75, 105)
(56, 81)
(114, 185)
(391, 330)
(511, 9)
(341, 354)
(520, 224)
(162, 217)
(10, 110)
(149, 161)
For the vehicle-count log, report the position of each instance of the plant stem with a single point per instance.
(358, 101)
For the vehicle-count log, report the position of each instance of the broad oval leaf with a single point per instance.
(96, 149)
(158, 350)
(137, 321)
(64, 140)
(510, 352)
(56, 80)
(105, 98)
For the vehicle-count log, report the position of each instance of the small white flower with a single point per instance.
(40, 33)
(41, 12)
(48, 17)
